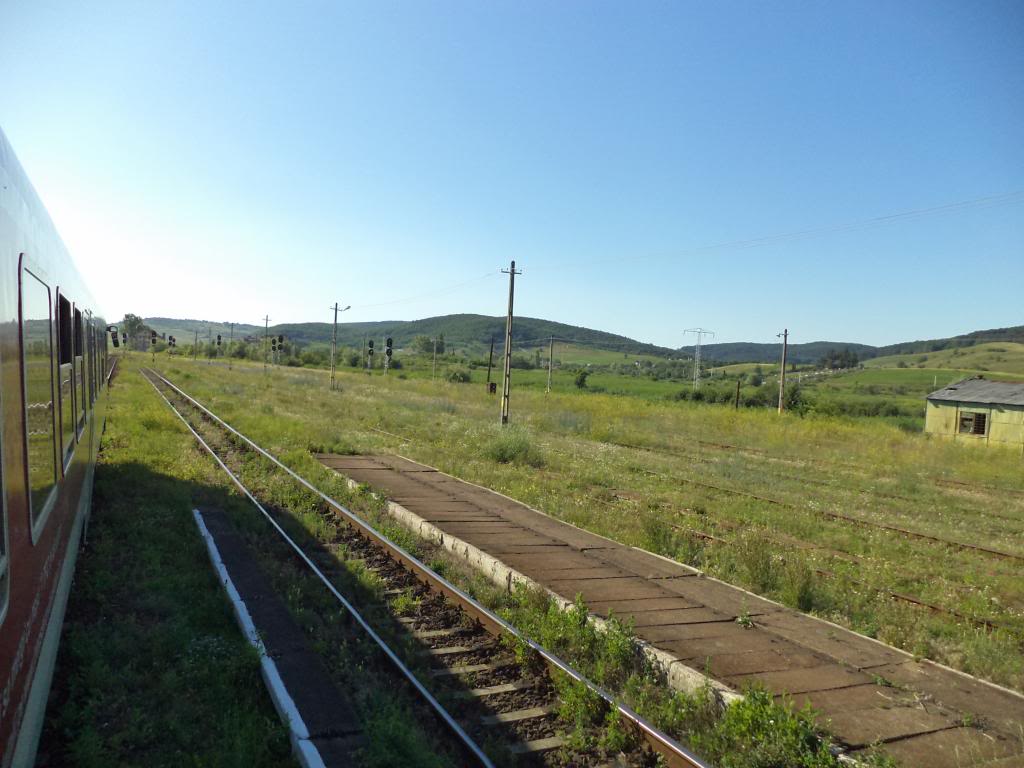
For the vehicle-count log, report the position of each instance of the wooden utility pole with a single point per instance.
(195, 344)
(231, 343)
(782, 371)
(551, 355)
(507, 385)
(737, 394)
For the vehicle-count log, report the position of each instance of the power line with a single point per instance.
(978, 203)
(429, 294)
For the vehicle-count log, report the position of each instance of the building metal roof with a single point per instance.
(980, 390)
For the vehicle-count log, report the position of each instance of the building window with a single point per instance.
(37, 350)
(973, 423)
(66, 377)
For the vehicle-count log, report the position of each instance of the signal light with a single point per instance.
(124, 338)
(218, 339)
(113, 338)
(280, 340)
(152, 338)
(387, 346)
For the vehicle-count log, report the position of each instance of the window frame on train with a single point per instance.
(66, 357)
(37, 518)
(78, 347)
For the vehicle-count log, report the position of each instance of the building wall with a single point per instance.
(1005, 423)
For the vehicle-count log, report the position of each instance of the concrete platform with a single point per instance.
(919, 712)
(323, 727)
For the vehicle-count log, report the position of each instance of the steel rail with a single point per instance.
(110, 373)
(673, 752)
(464, 738)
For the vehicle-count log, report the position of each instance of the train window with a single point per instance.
(66, 377)
(37, 351)
(79, 344)
(90, 347)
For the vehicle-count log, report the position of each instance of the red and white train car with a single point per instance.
(53, 355)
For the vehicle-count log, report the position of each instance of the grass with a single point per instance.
(656, 495)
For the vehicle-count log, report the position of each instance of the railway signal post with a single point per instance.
(387, 354)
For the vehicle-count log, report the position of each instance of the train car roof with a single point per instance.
(26, 227)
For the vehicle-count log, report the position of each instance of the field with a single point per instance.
(707, 485)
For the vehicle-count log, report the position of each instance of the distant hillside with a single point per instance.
(748, 352)
(474, 332)
(1014, 334)
(471, 331)
(1004, 357)
(811, 352)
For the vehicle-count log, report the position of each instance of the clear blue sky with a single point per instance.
(227, 160)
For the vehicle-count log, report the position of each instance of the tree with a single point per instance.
(423, 344)
(136, 329)
(581, 378)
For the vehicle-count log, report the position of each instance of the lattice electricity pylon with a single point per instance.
(699, 333)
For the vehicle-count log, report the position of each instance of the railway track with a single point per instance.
(484, 681)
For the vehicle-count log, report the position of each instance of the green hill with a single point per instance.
(472, 332)
(999, 349)
(1004, 357)
(749, 352)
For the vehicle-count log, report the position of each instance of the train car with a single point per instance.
(53, 355)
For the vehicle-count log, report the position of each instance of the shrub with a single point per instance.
(581, 378)
(459, 376)
(514, 445)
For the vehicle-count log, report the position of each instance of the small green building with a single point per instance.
(978, 411)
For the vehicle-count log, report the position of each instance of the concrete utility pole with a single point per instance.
(551, 355)
(782, 372)
(266, 329)
(230, 343)
(699, 333)
(334, 340)
(433, 372)
(490, 362)
(195, 344)
(507, 385)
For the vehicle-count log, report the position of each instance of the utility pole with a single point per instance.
(507, 385)
(195, 344)
(551, 355)
(230, 343)
(699, 333)
(433, 373)
(782, 371)
(334, 341)
(266, 329)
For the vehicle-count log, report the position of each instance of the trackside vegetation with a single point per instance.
(153, 670)
(705, 485)
(755, 732)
